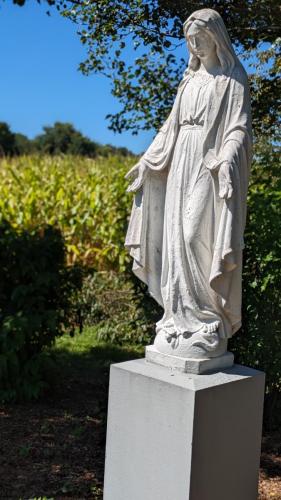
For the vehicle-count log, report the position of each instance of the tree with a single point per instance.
(147, 86)
(7, 140)
(64, 138)
(56, 139)
(20, 3)
(13, 143)
(23, 145)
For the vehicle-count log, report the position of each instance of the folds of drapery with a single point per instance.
(227, 136)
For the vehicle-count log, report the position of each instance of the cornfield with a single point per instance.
(85, 198)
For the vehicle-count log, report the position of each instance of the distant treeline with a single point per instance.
(60, 138)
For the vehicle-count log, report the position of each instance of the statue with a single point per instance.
(186, 228)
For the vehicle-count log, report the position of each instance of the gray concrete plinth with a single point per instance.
(178, 436)
(189, 365)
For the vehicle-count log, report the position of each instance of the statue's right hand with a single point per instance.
(138, 171)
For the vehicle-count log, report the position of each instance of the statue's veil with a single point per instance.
(211, 21)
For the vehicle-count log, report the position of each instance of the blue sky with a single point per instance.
(40, 83)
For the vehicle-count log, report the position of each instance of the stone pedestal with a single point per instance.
(180, 436)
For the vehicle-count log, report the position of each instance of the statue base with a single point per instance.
(189, 365)
(178, 436)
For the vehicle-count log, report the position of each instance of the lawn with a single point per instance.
(54, 448)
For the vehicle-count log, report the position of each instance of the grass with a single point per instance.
(84, 353)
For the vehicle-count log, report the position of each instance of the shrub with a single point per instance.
(119, 306)
(258, 344)
(35, 306)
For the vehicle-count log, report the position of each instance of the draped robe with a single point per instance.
(226, 136)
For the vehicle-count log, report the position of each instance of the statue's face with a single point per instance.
(200, 42)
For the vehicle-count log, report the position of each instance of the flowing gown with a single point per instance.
(188, 239)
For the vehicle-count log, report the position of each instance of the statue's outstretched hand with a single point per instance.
(225, 181)
(139, 171)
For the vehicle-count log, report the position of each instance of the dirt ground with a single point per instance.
(54, 448)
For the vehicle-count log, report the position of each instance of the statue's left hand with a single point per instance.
(225, 181)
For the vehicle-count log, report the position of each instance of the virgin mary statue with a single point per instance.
(186, 228)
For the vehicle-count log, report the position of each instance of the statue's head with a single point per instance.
(206, 33)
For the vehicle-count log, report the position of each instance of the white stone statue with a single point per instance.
(186, 228)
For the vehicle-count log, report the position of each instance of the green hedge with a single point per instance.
(258, 344)
(36, 290)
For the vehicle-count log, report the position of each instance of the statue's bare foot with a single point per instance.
(209, 339)
(211, 327)
(203, 343)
